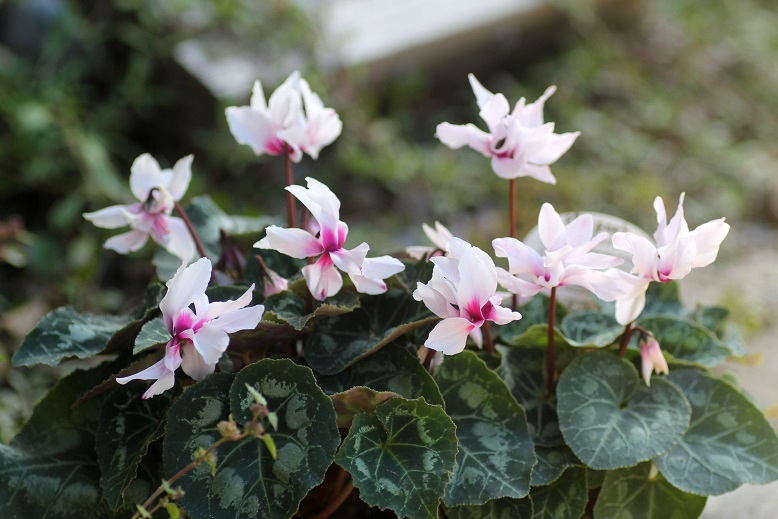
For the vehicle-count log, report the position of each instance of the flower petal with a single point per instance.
(112, 217)
(482, 95)
(241, 319)
(127, 242)
(455, 136)
(145, 174)
(179, 180)
(252, 128)
(296, 243)
(644, 254)
(554, 146)
(366, 285)
(449, 335)
(210, 341)
(179, 241)
(381, 267)
(322, 278)
(552, 230)
(708, 238)
(433, 300)
(187, 285)
(194, 365)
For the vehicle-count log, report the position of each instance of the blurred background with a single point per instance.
(670, 96)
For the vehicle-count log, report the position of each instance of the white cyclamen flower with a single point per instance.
(198, 336)
(157, 191)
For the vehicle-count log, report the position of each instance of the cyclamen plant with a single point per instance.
(308, 394)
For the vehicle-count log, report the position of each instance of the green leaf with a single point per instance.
(128, 424)
(505, 508)
(552, 462)
(338, 342)
(66, 333)
(663, 299)
(153, 333)
(290, 308)
(565, 498)
(496, 453)
(357, 400)
(124, 339)
(591, 329)
(729, 441)
(389, 369)
(633, 492)
(402, 457)
(686, 340)
(524, 372)
(610, 419)
(49, 469)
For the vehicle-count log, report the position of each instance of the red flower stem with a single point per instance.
(512, 188)
(346, 491)
(290, 209)
(625, 339)
(190, 227)
(550, 360)
(488, 337)
(429, 354)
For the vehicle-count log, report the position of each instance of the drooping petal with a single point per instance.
(185, 287)
(163, 376)
(179, 180)
(381, 267)
(145, 175)
(210, 341)
(322, 278)
(449, 335)
(477, 336)
(366, 285)
(538, 172)
(111, 217)
(179, 241)
(127, 242)
(296, 243)
(455, 136)
(194, 365)
(629, 305)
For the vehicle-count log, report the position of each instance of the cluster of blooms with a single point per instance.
(463, 287)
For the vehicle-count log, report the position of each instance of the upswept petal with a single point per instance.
(521, 258)
(127, 242)
(418, 252)
(707, 239)
(676, 259)
(366, 285)
(145, 174)
(450, 335)
(258, 102)
(179, 241)
(595, 260)
(477, 279)
(551, 228)
(111, 217)
(220, 308)
(644, 254)
(251, 127)
(482, 95)
(499, 314)
(579, 232)
(187, 284)
(554, 146)
(241, 319)
(322, 278)
(494, 111)
(296, 243)
(439, 236)
(320, 201)
(676, 227)
(381, 267)
(324, 125)
(285, 103)
(180, 178)
(531, 115)
(350, 261)
(517, 285)
(434, 300)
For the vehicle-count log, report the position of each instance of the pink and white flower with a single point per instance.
(294, 120)
(519, 143)
(676, 251)
(322, 277)
(462, 292)
(439, 236)
(199, 337)
(651, 358)
(568, 259)
(157, 191)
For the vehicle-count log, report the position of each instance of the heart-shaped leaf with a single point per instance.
(66, 333)
(402, 457)
(729, 441)
(128, 424)
(524, 372)
(591, 329)
(496, 453)
(635, 492)
(153, 333)
(552, 462)
(390, 369)
(610, 419)
(291, 308)
(565, 498)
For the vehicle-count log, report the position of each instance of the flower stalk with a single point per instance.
(196, 237)
(550, 357)
(290, 206)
